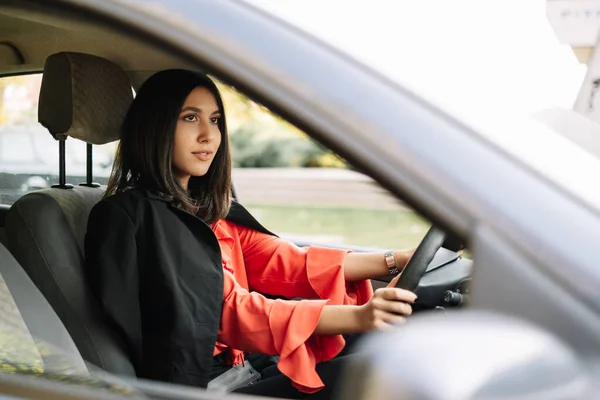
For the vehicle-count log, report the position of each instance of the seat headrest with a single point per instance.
(83, 96)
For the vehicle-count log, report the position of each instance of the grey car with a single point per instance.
(524, 199)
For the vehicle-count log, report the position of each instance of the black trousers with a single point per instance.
(280, 385)
(275, 384)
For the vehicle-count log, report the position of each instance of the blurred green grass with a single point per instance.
(385, 229)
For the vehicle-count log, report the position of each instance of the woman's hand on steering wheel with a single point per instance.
(387, 307)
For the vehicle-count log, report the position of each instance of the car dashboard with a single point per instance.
(446, 282)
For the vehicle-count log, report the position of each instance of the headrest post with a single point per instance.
(62, 166)
(89, 168)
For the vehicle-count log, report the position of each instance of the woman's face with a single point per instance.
(197, 135)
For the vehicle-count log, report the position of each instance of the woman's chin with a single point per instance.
(199, 173)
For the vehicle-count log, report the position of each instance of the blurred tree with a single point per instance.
(3, 84)
(29, 84)
(251, 149)
(261, 139)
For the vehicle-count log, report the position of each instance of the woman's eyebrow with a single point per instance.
(191, 108)
(198, 110)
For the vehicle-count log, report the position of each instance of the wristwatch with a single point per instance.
(391, 263)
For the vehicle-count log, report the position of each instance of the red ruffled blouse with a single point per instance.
(256, 263)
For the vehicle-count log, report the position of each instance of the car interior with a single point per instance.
(89, 71)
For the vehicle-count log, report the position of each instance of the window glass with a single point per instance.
(302, 191)
(28, 153)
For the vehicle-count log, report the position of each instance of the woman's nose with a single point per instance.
(205, 133)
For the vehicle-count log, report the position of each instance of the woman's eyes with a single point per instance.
(193, 118)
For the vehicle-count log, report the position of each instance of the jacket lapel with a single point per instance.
(239, 215)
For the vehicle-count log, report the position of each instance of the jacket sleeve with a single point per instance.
(111, 264)
(253, 323)
(278, 267)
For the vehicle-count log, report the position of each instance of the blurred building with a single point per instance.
(576, 23)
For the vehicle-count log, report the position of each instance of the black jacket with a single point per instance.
(158, 274)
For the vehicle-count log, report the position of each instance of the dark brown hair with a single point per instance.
(145, 154)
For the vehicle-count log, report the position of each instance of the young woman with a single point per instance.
(187, 276)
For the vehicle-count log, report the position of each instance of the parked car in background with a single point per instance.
(29, 160)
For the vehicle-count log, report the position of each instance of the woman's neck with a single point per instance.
(183, 182)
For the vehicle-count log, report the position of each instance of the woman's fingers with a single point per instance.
(391, 306)
(394, 300)
(387, 308)
(392, 293)
(381, 325)
(386, 320)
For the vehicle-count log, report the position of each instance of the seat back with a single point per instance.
(85, 97)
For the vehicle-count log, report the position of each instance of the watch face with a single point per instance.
(390, 261)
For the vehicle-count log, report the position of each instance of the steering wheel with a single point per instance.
(418, 263)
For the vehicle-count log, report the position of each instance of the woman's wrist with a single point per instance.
(359, 266)
(396, 260)
(402, 257)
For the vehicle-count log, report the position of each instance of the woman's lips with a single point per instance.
(203, 155)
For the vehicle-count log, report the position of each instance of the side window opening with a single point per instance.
(306, 193)
(292, 184)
